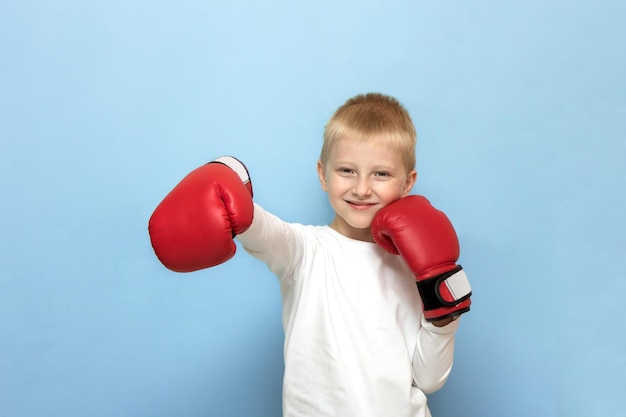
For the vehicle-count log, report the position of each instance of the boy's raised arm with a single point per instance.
(425, 238)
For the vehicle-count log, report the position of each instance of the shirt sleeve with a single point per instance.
(434, 354)
(273, 241)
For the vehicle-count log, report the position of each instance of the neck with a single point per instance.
(364, 235)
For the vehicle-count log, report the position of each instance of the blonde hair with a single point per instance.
(372, 116)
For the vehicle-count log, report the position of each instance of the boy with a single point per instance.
(357, 341)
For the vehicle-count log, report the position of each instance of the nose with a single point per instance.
(362, 187)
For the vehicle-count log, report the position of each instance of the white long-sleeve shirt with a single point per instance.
(356, 343)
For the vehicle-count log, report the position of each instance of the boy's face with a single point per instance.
(360, 179)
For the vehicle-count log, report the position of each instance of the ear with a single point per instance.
(321, 174)
(409, 183)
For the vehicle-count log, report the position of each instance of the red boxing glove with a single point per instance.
(426, 240)
(194, 226)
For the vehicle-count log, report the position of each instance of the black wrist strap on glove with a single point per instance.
(456, 282)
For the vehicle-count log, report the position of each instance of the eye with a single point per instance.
(382, 174)
(345, 171)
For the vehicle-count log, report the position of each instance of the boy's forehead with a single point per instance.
(345, 147)
(377, 140)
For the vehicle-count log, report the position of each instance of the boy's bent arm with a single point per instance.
(434, 355)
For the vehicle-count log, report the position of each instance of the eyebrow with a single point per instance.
(344, 163)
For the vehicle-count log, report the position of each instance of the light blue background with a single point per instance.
(520, 109)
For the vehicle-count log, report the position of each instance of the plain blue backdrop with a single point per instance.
(520, 109)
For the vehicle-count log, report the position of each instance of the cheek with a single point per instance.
(337, 184)
(389, 197)
(391, 193)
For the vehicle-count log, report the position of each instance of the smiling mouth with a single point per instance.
(360, 205)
